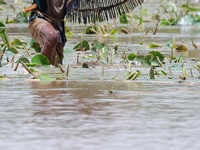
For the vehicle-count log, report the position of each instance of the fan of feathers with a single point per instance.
(99, 10)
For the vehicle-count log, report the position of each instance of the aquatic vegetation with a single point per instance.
(96, 54)
(2, 2)
(40, 60)
(82, 46)
(133, 75)
(34, 45)
(185, 15)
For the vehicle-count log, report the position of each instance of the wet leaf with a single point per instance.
(82, 46)
(21, 17)
(189, 8)
(85, 65)
(40, 60)
(178, 59)
(13, 50)
(132, 56)
(181, 47)
(161, 72)
(2, 2)
(99, 46)
(113, 31)
(126, 74)
(124, 30)
(123, 19)
(35, 45)
(4, 78)
(31, 64)
(17, 43)
(169, 22)
(154, 45)
(91, 29)
(2, 26)
(46, 77)
(155, 54)
(170, 7)
(24, 60)
(133, 75)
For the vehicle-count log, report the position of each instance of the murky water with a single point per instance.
(86, 115)
(91, 111)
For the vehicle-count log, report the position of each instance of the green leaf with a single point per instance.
(82, 46)
(178, 59)
(35, 45)
(161, 72)
(99, 46)
(31, 64)
(24, 60)
(154, 54)
(46, 77)
(2, 2)
(21, 17)
(13, 50)
(126, 74)
(171, 7)
(2, 25)
(91, 29)
(113, 31)
(154, 45)
(40, 60)
(132, 56)
(17, 42)
(123, 19)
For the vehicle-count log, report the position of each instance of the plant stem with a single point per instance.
(172, 55)
(17, 66)
(27, 69)
(67, 71)
(61, 69)
(161, 64)
(2, 53)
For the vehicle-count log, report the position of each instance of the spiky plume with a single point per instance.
(99, 10)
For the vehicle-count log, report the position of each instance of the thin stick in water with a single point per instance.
(27, 69)
(2, 53)
(17, 66)
(61, 69)
(67, 71)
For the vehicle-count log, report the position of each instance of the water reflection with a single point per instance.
(60, 98)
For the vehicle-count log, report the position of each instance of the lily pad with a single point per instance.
(132, 56)
(99, 46)
(24, 60)
(156, 54)
(82, 46)
(40, 60)
(46, 77)
(17, 42)
(13, 49)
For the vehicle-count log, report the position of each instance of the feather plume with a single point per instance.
(98, 10)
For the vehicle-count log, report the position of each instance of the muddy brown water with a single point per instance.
(94, 112)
